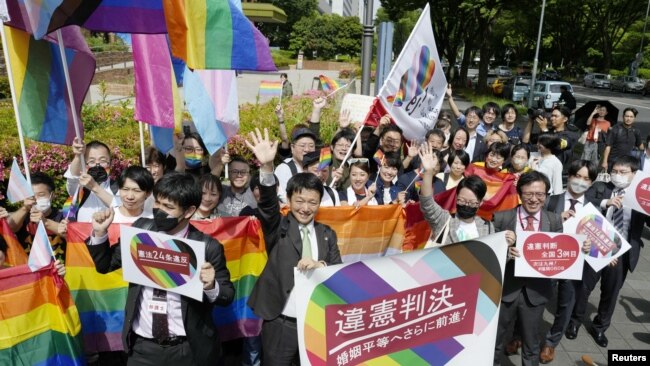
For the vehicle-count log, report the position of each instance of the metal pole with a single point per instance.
(539, 38)
(366, 48)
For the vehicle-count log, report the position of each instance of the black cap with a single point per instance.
(310, 158)
(302, 132)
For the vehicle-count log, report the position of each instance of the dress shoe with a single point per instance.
(513, 347)
(571, 331)
(600, 338)
(547, 355)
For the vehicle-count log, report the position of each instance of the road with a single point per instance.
(621, 100)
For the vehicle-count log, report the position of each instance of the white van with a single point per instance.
(547, 93)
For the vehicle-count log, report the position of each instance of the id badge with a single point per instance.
(157, 306)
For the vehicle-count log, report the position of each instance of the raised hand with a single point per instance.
(101, 221)
(263, 148)
(413, 150)
(319, 103)
(344, 118)
(279, 112)
(448, 91)
(78, 146)
(429, 159)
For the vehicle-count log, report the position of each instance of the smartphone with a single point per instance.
(186, 130)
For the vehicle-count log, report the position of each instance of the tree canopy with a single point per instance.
(327, 35)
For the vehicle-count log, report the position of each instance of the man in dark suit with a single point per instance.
(629, 224)
(183, 333)
(525, 297)
(295, 240)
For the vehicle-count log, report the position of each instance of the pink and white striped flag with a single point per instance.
(18, 189)
(41, 254)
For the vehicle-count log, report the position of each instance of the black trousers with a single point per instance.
(611, 281)
(148, 353)
(280, 342)
(566, 290)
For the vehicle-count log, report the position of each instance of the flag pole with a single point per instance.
(347, 155)
(12, 87)
(142, 142)
(339, 88)
(68, 83)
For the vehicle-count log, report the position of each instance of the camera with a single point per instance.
(533, 113)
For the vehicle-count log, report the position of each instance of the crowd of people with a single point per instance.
(369, 166)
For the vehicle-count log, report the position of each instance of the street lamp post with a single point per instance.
(539, 38)
(366, 48)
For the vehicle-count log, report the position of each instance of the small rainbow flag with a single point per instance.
(270, 88)
(418, 185)
(325, 158)
(420, 172)
(71, 205)
(41, 254)
(215, 35)
(18, 189)
(328, 84)
(379, 157)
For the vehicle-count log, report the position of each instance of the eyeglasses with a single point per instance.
(462, 202)
(305, 146)
(103, 163)
(357, 160)
(189, 149)
(342, 146)
(238, 172)
(529, 195)
(621, 172)
(391, 141)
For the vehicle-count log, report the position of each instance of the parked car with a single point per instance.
(517, 88)
(626, 84)
(503, 71)
(472, 82)
(646, 88)
(549, 75)
(546, 93)
(596, 80)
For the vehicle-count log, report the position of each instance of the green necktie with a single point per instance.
(306, 243)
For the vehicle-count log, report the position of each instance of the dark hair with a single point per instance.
(633, 110)
(3, 245)
(628, 161)
(361, 165)
(239, 159)
(284, 75)
(94, 144)
(197, 137)
(346, 133)
(499, 148)
(392, 160)
(42, 178)
(441, 159)
(180, 188)
(564, 110)
(304, 181)
(474, 109)
(592, 168)
(532, 177)
(647, 141)
(563, 88)
(549, 141)
(153, 155)
(491, 106)
(255, 181)
(518, 147)
(453, 135)
(445, 115)
(438, 132)
(390, 128)
(141, 176)
(475, 184)
(460, 154)
(210, 181)
(506, 108)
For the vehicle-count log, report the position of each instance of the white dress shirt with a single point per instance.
(471, 146)
(92, 204)
(567, 202)
(290, 307)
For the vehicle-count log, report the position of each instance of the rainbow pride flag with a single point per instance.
(325, 158)
(45, 16)
(18, 189)
(270, 88)
(39, 321)
(215, 35)
(128, 16)
(328, 84)
(72, 204)
(41, 93)
(379, 157)
(15, 252)
(100, 298)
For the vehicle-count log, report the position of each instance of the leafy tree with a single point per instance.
(280, 34)
(327, 35)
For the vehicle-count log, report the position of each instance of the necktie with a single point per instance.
(306, 243)
(530, 223)
(573, 204)
(159, 325)
(618, 216)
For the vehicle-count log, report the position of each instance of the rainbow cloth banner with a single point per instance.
(437, 306)
(39, 322)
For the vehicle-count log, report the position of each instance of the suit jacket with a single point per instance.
(197, 316)
(603, 191)
(480, 148)
(538, 290)
(284, 248)
(437, 217)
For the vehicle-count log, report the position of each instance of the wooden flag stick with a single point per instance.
(347, 155)
(141, 124)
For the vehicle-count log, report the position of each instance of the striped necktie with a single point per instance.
(618, 217)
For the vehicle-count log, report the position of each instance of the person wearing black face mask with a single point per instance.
(186, 335)
(465, 225)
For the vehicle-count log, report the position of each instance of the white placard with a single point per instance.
(606, 242)
(637, 195)
(549, 255)
(162, 261)
(358, 105)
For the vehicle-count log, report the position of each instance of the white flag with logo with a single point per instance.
(415, 87)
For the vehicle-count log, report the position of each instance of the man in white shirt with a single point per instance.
(303, 141)
(161, 327)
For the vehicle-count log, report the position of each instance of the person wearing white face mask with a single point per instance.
(629, 224)
(24, 221)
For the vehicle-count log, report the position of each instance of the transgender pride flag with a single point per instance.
(41, 253)
(18, 189)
